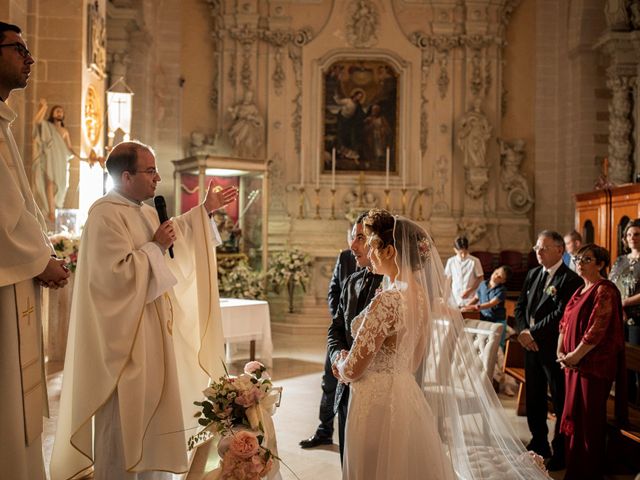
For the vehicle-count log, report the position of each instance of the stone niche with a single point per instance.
(449, 168)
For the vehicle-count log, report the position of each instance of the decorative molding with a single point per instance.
(96, 40)
(474, 133)
(278, 39)
(473, 229)
(298, 40)
(246, 36)
(246, 131)
(620, 146)
(441, 174)
(519, 199)
(362, 23)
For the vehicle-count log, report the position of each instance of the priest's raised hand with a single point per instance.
(218, 197)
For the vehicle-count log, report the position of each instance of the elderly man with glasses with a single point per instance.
(27, 264)
(546, 291)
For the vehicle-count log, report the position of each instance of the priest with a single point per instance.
(145, 332)
(27, 263)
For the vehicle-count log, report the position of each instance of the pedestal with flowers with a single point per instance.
(237, 413)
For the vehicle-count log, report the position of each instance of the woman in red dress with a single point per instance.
(590, 346)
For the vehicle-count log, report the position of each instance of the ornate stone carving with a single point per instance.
(295, 54)
(355, 203)
(443, 78)
(441, 173)
(299, 39)
(217, 29)
(362, 24)
(473, 229)
(202, 144)
(476, 73)
(617, 15)
(246, 131)
(620, 146)
(246, 37)
(278, 38)
(96, 40)
(519, 200)
(475, 131)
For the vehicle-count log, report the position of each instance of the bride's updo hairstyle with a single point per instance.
(383, 230)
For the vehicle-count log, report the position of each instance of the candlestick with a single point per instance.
(333, 168)
(317, 217)
(333, 204)
(386, 185)
(386, 198)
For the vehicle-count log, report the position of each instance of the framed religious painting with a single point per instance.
(360, 125)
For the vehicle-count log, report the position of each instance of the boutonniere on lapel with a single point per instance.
(551, 291)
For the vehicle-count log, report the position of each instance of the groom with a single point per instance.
(545, 294)
(359, 289)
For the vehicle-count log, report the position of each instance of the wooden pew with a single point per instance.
(623, 419)
(514, 367)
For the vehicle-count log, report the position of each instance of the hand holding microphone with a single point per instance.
(165, 235)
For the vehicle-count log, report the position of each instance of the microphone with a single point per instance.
(161, 208)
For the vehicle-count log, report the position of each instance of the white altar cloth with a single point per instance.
(246, 321)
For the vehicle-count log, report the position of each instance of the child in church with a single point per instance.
(489, 299)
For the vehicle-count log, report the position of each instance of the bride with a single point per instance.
(420, 406)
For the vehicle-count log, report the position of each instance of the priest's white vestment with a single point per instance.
(128, 334)
(25, 253)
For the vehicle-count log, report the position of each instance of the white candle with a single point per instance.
(387, 171)
(333, 169)
(404, 169)
(318, 156)
(301, 165)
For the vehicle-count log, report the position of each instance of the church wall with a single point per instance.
(518, 120)
(196, 68)
(571, 108)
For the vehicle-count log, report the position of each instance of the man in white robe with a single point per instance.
(26, 264)
(145, 332)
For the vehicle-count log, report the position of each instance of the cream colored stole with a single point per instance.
(30, 358)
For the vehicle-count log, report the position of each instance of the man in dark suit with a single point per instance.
(345, 266)
(358, 291)
(547, 289)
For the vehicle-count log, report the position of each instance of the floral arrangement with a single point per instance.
(551, 291)
(289, 267)
(244, 458)
(66, 247)
(233, 409)
(242, 282)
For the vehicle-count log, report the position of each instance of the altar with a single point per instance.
(247, 321)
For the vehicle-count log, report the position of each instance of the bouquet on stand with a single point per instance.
(239, 410)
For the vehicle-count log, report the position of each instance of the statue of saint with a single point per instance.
(475, 131)
(51, 154)
(247, 127)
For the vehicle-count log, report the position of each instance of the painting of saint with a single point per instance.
(360, 118)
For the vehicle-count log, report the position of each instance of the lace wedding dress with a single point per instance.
(421, 406)
(391, 431)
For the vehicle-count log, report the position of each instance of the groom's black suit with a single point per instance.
(358, 291)
(546, 306)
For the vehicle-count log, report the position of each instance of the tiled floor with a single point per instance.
(298, 363)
